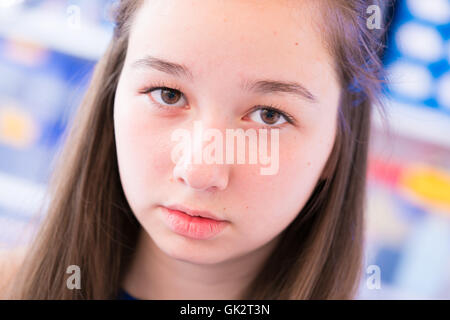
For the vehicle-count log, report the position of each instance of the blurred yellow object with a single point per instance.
(429, 185)
(26, 52)
(17, 127)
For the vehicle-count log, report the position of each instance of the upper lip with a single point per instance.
(192, 212)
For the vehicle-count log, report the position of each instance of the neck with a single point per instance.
(154, 275)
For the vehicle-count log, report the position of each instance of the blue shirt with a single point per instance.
(123, 295)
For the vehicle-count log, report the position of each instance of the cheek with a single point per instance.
(142, 153)
(271, 203)
(304, 159)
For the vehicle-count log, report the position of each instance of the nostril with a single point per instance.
(205, 178)
(180, 180)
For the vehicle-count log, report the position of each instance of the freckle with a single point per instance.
(224, 208)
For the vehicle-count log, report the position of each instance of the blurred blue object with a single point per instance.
(45, 92)
(48, 49)
(418, 55)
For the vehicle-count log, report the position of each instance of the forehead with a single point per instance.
(242, 39)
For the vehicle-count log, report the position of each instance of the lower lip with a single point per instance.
(192, 227)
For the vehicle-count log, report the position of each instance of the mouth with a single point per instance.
(199, 225)
(195, 213)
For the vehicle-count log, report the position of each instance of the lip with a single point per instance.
(199, 228)
(194, 213)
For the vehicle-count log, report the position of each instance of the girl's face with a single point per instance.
(223, 45)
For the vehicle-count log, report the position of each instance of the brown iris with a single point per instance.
(270, 116)
(170, 96)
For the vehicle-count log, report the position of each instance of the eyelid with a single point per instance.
(161, 85)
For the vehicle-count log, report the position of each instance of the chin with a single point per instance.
(191, 251)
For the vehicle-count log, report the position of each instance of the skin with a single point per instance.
(222, 43)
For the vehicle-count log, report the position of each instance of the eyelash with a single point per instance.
(164, 86)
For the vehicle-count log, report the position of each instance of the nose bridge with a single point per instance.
(193, 168)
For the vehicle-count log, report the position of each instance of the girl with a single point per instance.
(122, 207)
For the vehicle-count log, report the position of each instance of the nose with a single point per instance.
(200, 175)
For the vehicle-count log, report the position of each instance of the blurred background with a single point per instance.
(48, 49)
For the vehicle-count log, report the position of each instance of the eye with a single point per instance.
(270, 116)
(165, 97)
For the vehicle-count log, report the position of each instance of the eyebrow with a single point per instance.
(263, 86)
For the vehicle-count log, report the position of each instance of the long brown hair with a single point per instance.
(90, 224)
